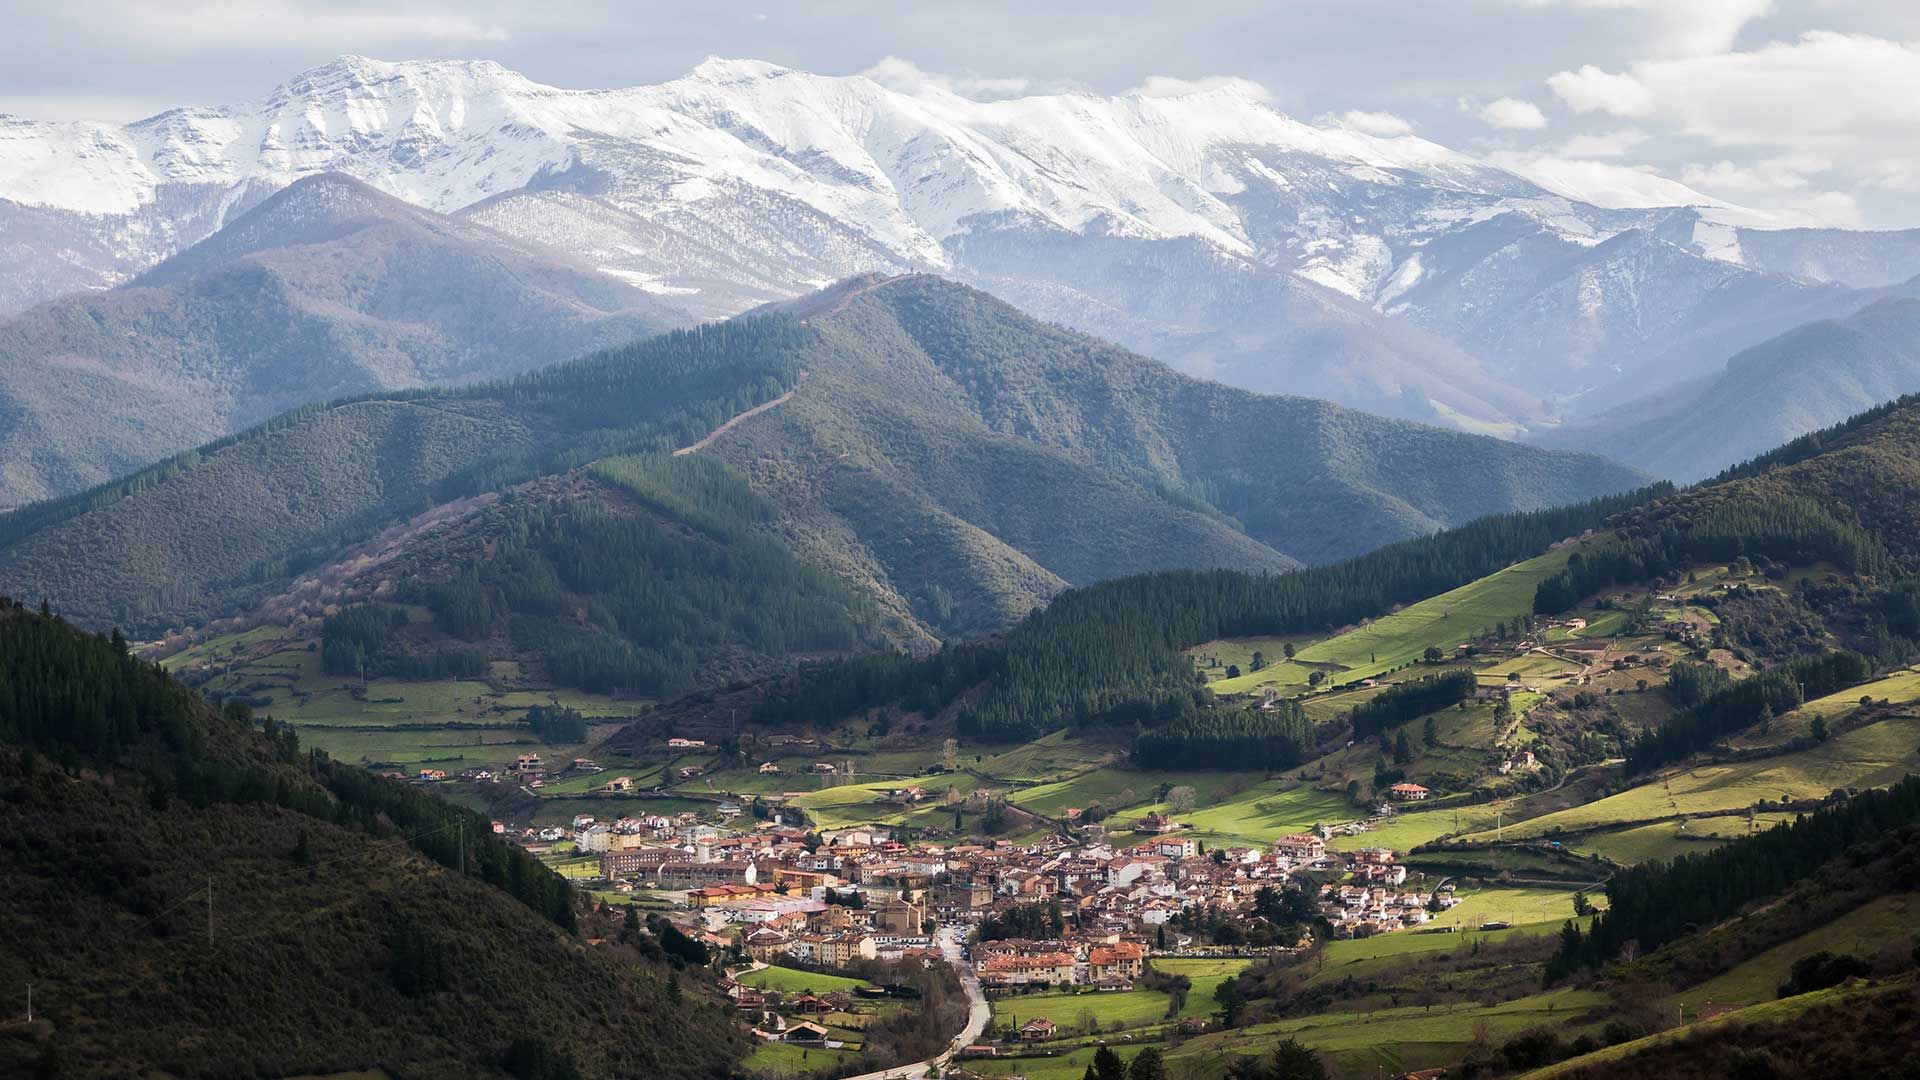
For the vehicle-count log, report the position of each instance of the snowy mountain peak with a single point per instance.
(722, 70)
(1193, 220)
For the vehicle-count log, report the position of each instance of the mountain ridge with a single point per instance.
(955, 461)
(1801, 381)
(1208, 229)
(324, 290)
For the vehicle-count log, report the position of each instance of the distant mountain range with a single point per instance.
(1204, 228)
(326, 289)
(1808, 378)
(954, 461)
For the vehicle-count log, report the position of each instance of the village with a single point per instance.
(1059, 913)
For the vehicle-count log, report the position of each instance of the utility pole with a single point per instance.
(209, 911)
(462, 844)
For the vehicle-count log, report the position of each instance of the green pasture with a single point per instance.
(1411, 1037)
(1863, 932)
(1111, 1010)
(1671, 839)
(794, 981)
(1050, 757)
(1206, 976)
(782, 1059)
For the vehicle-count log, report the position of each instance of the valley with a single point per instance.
(783, 575)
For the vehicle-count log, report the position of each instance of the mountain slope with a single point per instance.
(190, 895)
(957, 461)
(326, 289)
(1803, 380)
(1205, 228)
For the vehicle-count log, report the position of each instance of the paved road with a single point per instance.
(977, 1016)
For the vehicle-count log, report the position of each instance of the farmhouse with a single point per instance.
(1155, 822)
(1408, 792)
(1038, 1028)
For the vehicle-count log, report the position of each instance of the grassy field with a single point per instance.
(793, 980)
(1386, 1041)
(1048, 758)
(780, 1059)
(1514, 905)
(1871, 756)
(1266, 812)
(854, 804)
(1862, 932)
(1767, 1012)
(1206, 975)
(1367, 957)
(1899, 688)
(1670, 839)
(1065, 1066)
(1390, 641)
(1111, 1010)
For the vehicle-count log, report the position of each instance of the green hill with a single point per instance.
(192, 895)
(955, 460)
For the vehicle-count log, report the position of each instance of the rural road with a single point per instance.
(736, 421)
(977, 1016)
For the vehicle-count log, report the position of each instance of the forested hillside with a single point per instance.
(1112, 654)
(216, 530)
(194, 894)
(956, 461)
(639, 576)
(326, 289)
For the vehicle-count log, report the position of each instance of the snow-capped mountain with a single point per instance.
(1206, 228)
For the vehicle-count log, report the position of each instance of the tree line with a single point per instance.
(362, 641)
(1409, 700)
(1278, 737)
(1743, 704)
(1792, 529)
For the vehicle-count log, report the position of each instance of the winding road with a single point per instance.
(977, 1016)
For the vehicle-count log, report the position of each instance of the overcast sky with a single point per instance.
(1810, 106)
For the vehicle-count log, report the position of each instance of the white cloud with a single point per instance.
(1678, 27)
(904, 75)
(1384, 124)
(1513, 114)
(263, 23)
(1774, 174)
(1593, 90)
(1824, 101)
(1168, 86)
(1602, 144)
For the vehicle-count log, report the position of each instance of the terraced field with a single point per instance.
(1395, 1039)
(1871, 756)
(1670, 839)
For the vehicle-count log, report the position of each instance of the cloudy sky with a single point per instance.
(1810, 108)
